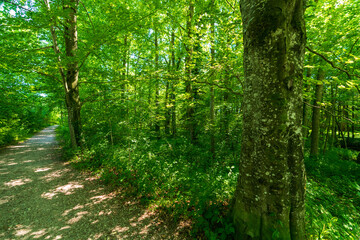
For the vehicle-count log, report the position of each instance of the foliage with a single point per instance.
(172, 176)
(149, 72)
(333, 200)
(23, 111)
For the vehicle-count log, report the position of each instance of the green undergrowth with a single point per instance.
(174, 177)
(333, 196)
(183, 183)
(10, 136)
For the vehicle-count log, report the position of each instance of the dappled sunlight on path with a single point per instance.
(43, 198)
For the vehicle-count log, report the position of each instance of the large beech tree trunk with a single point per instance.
(269, 199)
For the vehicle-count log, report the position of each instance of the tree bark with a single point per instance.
(167, 109)
(157, 105)
(353, 118)
(269, 199)
(172, 95)
(305, 112)
(314, 149)
(212, 92)
(333, 110)
(190, 121)
(72, 72)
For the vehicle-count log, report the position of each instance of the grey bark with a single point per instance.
(269, 199)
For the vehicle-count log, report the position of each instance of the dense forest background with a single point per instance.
(154, 92)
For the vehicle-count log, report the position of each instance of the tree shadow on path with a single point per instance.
(44, 198)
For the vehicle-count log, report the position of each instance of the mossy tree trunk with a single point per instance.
(269, 199)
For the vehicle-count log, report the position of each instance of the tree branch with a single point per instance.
(333, 64)
(55, 43)
(347, 119)
(230, 5)
(92, 24)
(46, 75)
(12, 3)
(36, 49)
(86, 56)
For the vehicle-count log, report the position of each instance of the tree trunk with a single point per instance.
(172, 95)
(353, 118)
(315, 129)
(123, 70)
(327, 132)
(269, 199)
(333, 110)
(72, 72)
(212, 92)
(189, 118)
(347, 125)
(157, 107)
(167, 109)
(305, 108)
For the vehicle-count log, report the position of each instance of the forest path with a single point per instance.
(42, 197)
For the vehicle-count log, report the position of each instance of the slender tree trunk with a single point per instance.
(172, 95)
(226, 110)
(157, 105)
(315, 129)
(353, 118)
(305, 108)
(346, 113)
(327, 133)
(269, 199)
(72, 72)
(123, 70)
(167, 109)
(212, 92)
(188, 67)
(333, 110)
(173, 111)
(340, 124)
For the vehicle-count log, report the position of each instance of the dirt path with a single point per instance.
(44, 198)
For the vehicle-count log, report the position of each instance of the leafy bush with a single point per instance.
(172, 175)
(182, 181)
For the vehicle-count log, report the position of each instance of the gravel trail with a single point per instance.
(42, 197)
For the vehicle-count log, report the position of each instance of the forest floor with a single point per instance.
(42, 197)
